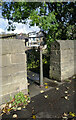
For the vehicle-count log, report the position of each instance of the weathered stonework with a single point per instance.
(62, 59)
(14, 68)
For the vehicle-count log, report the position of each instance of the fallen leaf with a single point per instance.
(5, 110)
(24, 106)
(66, 91)
(55, 81)
(67, 87)
(34, 117)
(15, 116)
(9, 110)
(32, 108)
(14, 108)
(72, 114)
(46, 83)
(41, 91)
(33, 111)
(2, 106)
(33, 75)
(73, 91)
(46, 96)
(25, 96)
(57, 88)
(19, 108)
(1, 114)
(10, 105)
(28, 83)
(65, 114)
(46, 86)
(66, 97)
(28, 101)
(74, 77)
(64, 117)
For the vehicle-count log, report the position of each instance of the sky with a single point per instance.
(20, 28)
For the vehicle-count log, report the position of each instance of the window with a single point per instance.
(34, 39)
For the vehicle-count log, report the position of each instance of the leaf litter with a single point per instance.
(17, 103)
(42, 91)
(57, 88)
(46, 96)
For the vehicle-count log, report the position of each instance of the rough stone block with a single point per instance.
(55, 46)
(75, 70)
(23, 84)
(54, 60)
(19, 76)
(55, 64)
(67, 65)
(6, 79)
(6, 60)
(0, 89)
(55, 55)
(63, 54)
(74, 53)
(68, 73)
(55, 76)
(18, 58)
(12, 69)
(66, 44)
(14, 87)
(55, 72)
(25, 91)
(5, 89)
(18, 67)
(74, 58)
(0, 74)
(13, 46)
(5, 98)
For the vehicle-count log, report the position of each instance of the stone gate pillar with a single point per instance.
(62, 59)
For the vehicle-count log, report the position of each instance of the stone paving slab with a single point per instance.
(34, 87)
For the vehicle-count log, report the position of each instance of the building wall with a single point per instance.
(62, 59)
(14, 70)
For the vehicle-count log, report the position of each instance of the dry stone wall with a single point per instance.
(63, 59)
(14, 68)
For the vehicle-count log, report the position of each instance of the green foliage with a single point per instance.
(55, 19)
(33, 59)
(20, 99)
(11, 98)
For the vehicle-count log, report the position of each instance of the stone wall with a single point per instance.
(62, 59)
(14, 69)
(75, 57)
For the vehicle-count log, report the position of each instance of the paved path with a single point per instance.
(51, 107)
(34, 87)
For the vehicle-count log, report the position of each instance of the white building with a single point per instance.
(35, 38)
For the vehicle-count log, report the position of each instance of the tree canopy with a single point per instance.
(55, 19)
